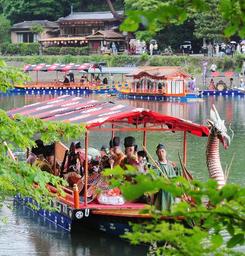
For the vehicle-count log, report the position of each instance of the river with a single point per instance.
(22, 235)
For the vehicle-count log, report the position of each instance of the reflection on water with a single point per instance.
(32, 235)
(33, 239)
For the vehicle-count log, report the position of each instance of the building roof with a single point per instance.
(30, 23)
(107, 15)
(105, 34)
(158, 72)
(94, 113)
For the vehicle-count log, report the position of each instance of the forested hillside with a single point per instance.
(20, 10)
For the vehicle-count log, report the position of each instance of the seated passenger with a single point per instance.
(104, 158)
(142, 161)
(130, 152)
(66, 80)
(117, 155)
(165, 168)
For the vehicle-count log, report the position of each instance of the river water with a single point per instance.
(22, 235)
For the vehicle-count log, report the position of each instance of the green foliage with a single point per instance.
(18, 10)
(37, 28)
(197, 228)
(20, 49)
(10, 76)
(18, 132)
(158, 14)
(210, 24)
(76, 51)
(4, 29)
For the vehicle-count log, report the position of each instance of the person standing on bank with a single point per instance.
(165, 168)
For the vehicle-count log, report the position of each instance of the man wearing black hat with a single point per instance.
(165, 168)
(116, 153)
(130, 151)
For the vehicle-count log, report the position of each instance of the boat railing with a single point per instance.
(149, 91)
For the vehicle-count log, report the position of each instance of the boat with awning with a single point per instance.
(102, 117)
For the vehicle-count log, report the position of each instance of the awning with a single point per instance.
(74, 39)
(57, 67)
(95, 114)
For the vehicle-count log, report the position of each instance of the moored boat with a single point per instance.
(73, 213)
(160, 84)
(79, 79)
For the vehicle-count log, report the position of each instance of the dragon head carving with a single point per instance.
(218, 127)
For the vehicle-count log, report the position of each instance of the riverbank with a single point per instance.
(192, 64)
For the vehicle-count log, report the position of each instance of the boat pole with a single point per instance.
(112, 131)
(184, 149)
(86, 168)
(144, 136)
(55, 156)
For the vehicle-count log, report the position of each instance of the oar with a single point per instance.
(10, 152)
(186, 174)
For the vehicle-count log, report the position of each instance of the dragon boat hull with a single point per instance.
(114, 221)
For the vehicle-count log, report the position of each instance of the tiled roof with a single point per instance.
(29, 24)
(89, 16)
(105, 34)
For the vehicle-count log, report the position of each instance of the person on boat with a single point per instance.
(143, 161)
(130, 152)
(168, 169)
(66, 80)
(105, 80)
(117, 155)
(71, 76)
(211, 85)
(104, 158)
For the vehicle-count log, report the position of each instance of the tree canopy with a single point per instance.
(155, 14)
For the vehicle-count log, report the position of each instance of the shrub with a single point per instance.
(66, 51)
(20, 49)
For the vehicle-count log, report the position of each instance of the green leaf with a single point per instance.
(217, 240)
(235, 240)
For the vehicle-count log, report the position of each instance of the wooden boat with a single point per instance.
(101, 117)
(97, 79)
(159, 84)
(223, 84)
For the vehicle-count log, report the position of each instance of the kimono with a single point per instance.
(164, 200)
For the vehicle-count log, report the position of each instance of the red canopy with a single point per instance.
(57, 67)
(95, 113)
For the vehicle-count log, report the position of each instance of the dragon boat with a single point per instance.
(74, 212)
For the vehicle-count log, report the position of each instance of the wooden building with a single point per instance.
(86, 23)
(22, 32)
(106, 41)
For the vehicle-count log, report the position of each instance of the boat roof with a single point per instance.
(57, 67)
(111, 70)
(96, 114)
(158, 72)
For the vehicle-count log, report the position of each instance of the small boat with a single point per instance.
(159, 84)
(93, 78)
(222, 84)
(74, 213)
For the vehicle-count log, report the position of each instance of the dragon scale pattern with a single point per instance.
(213, 160)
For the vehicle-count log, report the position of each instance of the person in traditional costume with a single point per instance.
(142, 161)
(130, 152)
(117, 155)
(104, 158)
(166, 168)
